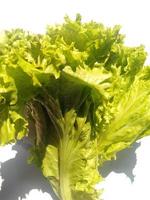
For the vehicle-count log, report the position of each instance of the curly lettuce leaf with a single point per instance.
(130, 122)
(72, 165)
(81, 96)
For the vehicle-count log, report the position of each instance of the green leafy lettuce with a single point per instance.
(79, 94)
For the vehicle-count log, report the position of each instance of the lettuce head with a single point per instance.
(80, 96)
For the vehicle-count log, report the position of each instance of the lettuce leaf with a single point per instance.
(79, 94)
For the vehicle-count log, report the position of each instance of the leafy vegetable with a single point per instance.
(80, 96)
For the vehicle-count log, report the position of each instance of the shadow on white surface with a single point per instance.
(20, 178)
(125, 163)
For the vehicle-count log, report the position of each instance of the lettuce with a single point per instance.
(79, 94)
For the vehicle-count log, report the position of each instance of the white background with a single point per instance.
(134, 17)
